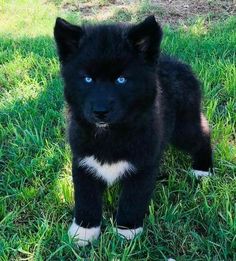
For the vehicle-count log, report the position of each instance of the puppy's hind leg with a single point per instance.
(193, 136)
(202, 158)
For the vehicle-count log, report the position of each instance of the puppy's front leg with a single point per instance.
(136, 193)
(88, 206)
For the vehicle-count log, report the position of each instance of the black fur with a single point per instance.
(159, 104)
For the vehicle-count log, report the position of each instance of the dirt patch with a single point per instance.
(176, 11)
(173, 12)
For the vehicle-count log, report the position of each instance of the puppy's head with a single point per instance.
(109, 71)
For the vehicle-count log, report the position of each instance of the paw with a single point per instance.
(83, 236)
(201, 173)
(128, 233)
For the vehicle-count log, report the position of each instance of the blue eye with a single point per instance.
(121, 80)
(88, 79)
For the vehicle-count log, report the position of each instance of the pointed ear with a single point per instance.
(146, 38)
(67, 37)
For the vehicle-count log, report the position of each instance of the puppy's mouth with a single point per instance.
(102, 124)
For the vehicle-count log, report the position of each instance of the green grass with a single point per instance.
(188, 220)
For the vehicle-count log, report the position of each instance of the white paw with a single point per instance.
(200, 173)
(129, 233)
(82, 236)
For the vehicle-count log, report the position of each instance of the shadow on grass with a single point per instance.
(33, 141)
(33, 129)
(41, 45)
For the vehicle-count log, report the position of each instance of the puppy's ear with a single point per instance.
(67, 37)
(146, 37)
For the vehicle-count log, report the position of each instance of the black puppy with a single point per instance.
(126, 102)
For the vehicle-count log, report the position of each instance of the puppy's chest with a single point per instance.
(109, 172)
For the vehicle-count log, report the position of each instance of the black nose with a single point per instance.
(100, 114)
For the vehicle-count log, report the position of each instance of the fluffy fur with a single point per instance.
(107, 172)
(200, 173)
(129, 233)
(127, 101)
(83, 236)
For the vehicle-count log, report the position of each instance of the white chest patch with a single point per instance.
(108, 172)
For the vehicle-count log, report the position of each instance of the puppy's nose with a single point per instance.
(100, 114)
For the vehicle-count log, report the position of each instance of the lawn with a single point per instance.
(188, 220)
